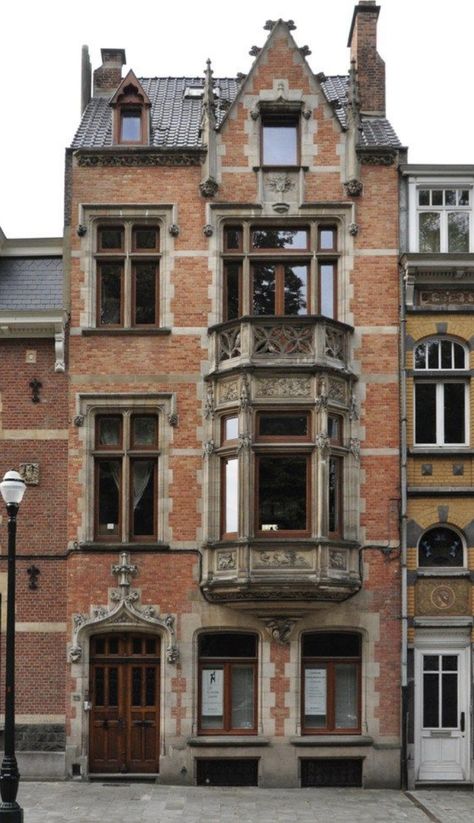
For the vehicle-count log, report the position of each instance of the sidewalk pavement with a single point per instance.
(102, 802)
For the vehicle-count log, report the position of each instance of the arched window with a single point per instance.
(441, 397)
(440, 546)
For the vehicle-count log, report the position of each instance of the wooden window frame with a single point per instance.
(133, 322)
(225, 290)
(227, 664)
(277, 412)
(330, 262)
(129, 257)
(280, 286)
(125, 454)
(338, 531)
(322, 227)
(275, 250)
(224, 460)
(330, 664)
(283, 533)
(339, 439)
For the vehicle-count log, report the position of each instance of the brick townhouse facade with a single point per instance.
(209, 584)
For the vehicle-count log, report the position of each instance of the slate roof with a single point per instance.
(175, 119)
(31, 283)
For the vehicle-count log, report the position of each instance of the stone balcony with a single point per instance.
(279, 341)
(259, 573)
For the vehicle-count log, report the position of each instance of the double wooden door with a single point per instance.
(124, 692)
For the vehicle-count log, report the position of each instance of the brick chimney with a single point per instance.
(369, 65)
(109, 75)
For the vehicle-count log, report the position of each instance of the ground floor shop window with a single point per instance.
(331, 683)
(227, 683)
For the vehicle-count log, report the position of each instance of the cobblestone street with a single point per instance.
(148, 803)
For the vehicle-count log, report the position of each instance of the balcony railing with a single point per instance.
(279, 341)
(243, 572)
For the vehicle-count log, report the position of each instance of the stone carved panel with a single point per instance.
(229, 344)
(335, 344)
(226, 560)
(283, 387)
(278, 559)
(30, 472)
(286, 340)
(228, 391)
(442, 597)
(337, 560)
(446, 297)
(337, 391)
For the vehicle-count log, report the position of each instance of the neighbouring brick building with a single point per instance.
(437, 433)
(222, 600)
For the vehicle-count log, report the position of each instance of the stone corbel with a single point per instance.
(280, 628)
(59, 341)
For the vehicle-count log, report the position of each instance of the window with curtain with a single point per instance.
(331, 673)
(227, 683)
(125, 475)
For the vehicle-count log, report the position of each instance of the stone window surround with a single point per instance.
(92, 216)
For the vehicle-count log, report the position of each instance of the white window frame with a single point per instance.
(440, 183)
(440, 413)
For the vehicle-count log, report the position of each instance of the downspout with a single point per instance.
(403, 533)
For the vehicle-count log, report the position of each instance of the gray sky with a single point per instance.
(426, 45)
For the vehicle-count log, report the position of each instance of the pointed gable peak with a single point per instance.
(130, 91)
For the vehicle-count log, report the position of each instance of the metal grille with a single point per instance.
(226, 772)
(331, 772)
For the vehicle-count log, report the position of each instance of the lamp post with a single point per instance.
(12, 489)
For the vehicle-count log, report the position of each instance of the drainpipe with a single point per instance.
(403, 533)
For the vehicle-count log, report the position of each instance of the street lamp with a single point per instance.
(12, 488)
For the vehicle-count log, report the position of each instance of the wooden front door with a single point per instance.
(124, 691)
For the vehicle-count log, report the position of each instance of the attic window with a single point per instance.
(279, 140)
(130, 126)
(193, 92)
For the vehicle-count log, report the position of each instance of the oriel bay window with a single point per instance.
(440, 401)
(125, 471)
(282, 474)
(227, 683)
(267, 270)
(331, 674)
(128, 276)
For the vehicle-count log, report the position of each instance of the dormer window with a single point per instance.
(130, 126)
(280, 140)
(130, 104)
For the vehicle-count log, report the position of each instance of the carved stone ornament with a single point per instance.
(137, 159)
(291, 25)
(229, 391)
(173, 419)
(255, 114)
(226, 560)
(305, 51)
(283, 340)
(337, 391)
(280, 629)
(269, 25)
(283, 387)
(354, 447)
(209, 187)
(338, 560)
(244, 393)
(306, 112)
(446, 297)
(208, 230)
(280, 559)
(335, 344)
(30, 472)
(353, 408)
(255, 51)
(245, 441)
(59, 355)
(281, 208)
(124, 613)
(353, 187)
(323, 442)
(443, 597)
(209, 447)
(321, 401)
(81, 230)
(209, 404)
(381, 158)
(79, 420)
(174, 230)
(229, 344)
(353, 229)
(281, 183)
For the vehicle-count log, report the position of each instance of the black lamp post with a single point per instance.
(12, 489)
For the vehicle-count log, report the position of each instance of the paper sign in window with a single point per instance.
(315, 691)
(212, 692)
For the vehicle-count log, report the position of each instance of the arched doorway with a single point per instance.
(124, 693)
